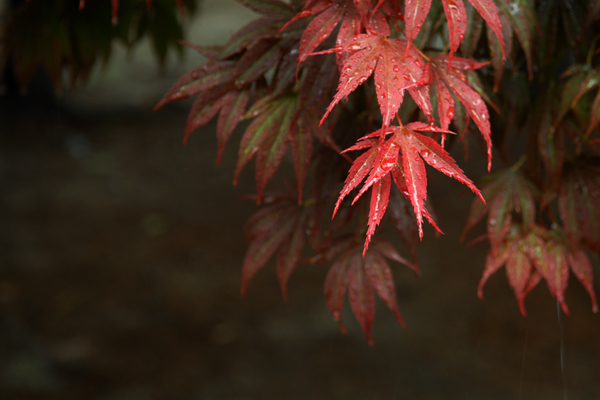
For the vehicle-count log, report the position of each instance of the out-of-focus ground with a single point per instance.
(120, 255)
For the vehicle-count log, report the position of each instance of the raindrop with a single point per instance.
(396, 68)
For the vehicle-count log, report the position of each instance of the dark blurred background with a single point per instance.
(120, 256)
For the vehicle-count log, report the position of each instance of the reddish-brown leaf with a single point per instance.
(473, 33)
(496, 48)
(336, 282)
(265, 220)
(415, 13)
(579, 203)
(257, 60)
(415, 176)
(456, 15)
(439, 159)
(387, 155)
(274, 147)
(205, 107)
(518, 270)
(379, 200)
(359, 170)
(289, 254)
(360, 294)
(203, 78)
(558, 272)
(319, 29)
(378, 24)
(445, 101)
(499, 218)
(520, 17)
(380, 278)
(402, 183)
(420, 94)
(582, 269)
(404, 220)
(232, 110)
(320, 76)
(259, 130)
(384, 248)
(262, 249)
(474, 104)
(302, 149)
(395, 72)
(493, 263)
(487, 9)
(251, 33)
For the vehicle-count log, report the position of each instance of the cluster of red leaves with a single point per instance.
(529, 251)
(278, 71)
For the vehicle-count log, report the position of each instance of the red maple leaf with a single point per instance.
(416, 12)
(396, 69)
(401, 156)
(452, 76)
(277, 228)
(361, 275)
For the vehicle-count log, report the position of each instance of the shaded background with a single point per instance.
(120, 256)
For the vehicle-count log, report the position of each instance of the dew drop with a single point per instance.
(396, 68)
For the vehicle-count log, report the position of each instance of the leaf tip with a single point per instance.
(522, 306)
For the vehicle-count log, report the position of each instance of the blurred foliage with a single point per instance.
(68, 37)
